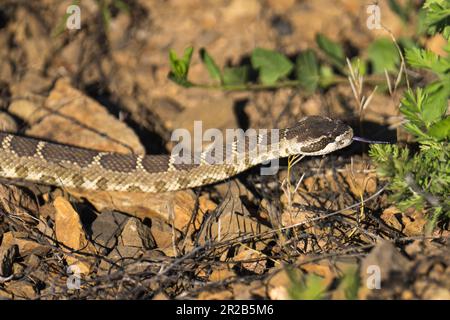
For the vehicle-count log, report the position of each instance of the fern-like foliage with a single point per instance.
(421, 179)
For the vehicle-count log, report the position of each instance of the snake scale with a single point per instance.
(71, 167)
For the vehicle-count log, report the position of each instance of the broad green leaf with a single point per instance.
(272, 65)
(384, 55)
(235, 75)
(435, 104)
(211, 65)
(307, 70)
(333, 50)
(440, 130)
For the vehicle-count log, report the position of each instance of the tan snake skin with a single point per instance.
(70, 167)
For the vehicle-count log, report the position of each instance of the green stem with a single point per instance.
(282, 84)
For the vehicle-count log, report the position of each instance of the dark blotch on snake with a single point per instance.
(48, 179)
(102, 184)
(156, 163)
(77, 180)
(21, 171)
(119, 162)
(24, 147)
(134, 189)
(161, 186)
(317, 146)
(55, 153)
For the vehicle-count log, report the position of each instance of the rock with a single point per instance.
(16, 201)
(222, 274)
(412, 222)
(360, 180)
(278, 286)
(165, 236)
(387, 263)
(280, 5)
(33, 261)
(238, 9)
(106, 228)
(247, 255)
(25, 109)
(26, 247)
(69, 231)
(229, 220)
(173, 207)
(121, 256)
(74, 118)
(21, 290)
(136, 234)
(7, 257)
(7, 123)
(216, 295)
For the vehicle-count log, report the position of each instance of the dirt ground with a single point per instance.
(105, 87)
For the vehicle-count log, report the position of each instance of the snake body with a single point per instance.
(71, 167)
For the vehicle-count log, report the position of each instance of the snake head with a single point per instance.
(316, 135)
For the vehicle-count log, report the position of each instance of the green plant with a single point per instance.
(422, 179)
(349, 283)
(305, 286)
(275, 70)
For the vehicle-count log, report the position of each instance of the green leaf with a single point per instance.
(211, 65)
(438, 17)
(327, 76)
(106, 15)
(61, 26)
(440, 130)
(384, 55)
(307, 70)
(235, 75)
(333, 50)
(349, 283)
(272, 65)
(435, 105)
(306, 287)
(180, 67)
(180, 81)
(122, 6)
(420, 58)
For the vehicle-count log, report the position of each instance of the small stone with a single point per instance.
(392, 265)
(106, 228)
(136, 234)
(7, 123)
(33, 261)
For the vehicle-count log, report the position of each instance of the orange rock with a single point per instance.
(69, 231)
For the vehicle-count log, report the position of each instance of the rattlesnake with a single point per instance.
(61, 165)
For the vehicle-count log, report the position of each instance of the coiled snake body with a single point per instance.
(60, 165)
